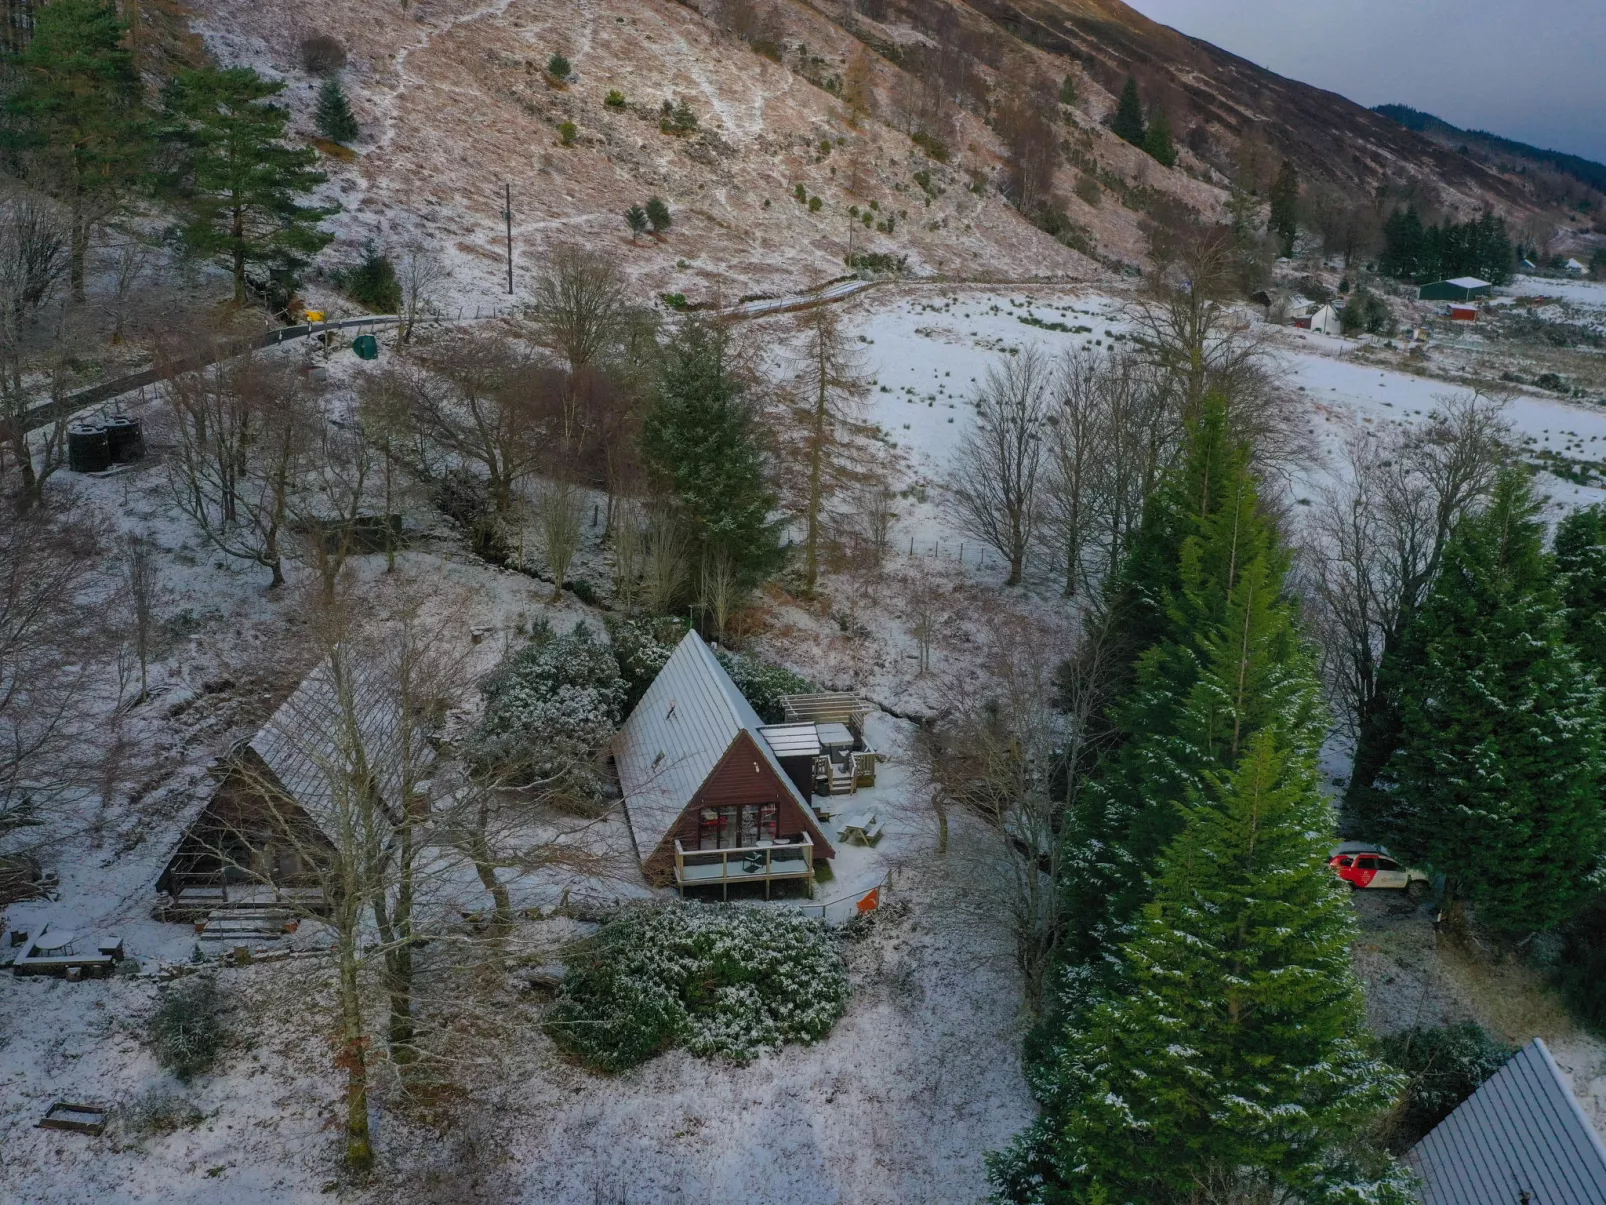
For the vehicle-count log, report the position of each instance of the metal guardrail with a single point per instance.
(845, 907)
(64, 407)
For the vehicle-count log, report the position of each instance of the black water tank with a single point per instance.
(125, 439)
(88, 450)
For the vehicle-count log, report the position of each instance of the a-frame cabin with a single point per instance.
(708, 801)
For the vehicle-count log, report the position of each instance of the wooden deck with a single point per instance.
(197, 900)
(745, 864)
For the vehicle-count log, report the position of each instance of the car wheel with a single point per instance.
(1416, 889)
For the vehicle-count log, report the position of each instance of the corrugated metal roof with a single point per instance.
(675, 737)
(792, 740)
(1521, 1132)
(339, 717)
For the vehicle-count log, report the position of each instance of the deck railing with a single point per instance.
(744, 864)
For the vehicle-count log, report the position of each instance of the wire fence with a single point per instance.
(844, 908)
(978, 555)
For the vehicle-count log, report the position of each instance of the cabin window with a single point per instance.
(736, 827)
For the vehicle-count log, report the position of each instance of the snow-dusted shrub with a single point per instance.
(158, 1111)
(550, 708)
(723, 982)
(763, 684)
(186, 1031)
(1445, 1066)
(642, 648)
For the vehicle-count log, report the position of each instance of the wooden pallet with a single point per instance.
(80, 1118)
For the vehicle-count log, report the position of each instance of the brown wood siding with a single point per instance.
(743, 775)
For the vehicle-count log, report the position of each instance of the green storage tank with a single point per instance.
(366, 347)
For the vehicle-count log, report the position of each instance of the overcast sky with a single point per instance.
(1534, 70)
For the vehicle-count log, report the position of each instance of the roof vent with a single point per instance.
(658, 759)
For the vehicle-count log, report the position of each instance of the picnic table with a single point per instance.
(859, 828)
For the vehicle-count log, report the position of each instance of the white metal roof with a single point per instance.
(1520, 1137)
(675, 737)
(339, 719)
(792, 740)
(1469, 282)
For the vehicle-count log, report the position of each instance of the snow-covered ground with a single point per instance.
(899, 1103)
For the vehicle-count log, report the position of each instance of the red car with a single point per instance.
(1369, 866)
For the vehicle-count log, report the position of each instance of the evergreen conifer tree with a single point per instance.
(1497, 780)
(1157, 141)
(1284, 219)
(74, 112)
(1581, 578)
(1219, 1052)
(333, 116)
(699, 440)
(1231, 1064)
(1068, 90)
(658, 215)
(1207, 563)
(238, 182)
(636, 219)
(1128, 123)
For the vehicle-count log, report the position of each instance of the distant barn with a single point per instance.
(1462, 288)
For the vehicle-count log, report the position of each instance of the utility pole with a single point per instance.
(507, 216)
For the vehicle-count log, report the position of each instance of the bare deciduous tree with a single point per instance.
(1375, 544)
(140, 579)
(994, 490)
(1199, 345)
(242, 430)
(421, 275)
(33, 261)
(560, 521)
(1016, 755)
(665, 563)
(1033, 148)
(475, 399)
(629, 553)
(47, 567)
(1113, 432)
(578, 304)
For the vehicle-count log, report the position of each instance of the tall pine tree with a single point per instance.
(699, 441)
(75, 115)
(1157, 141)
(1205, 585)
(333, 116)
(238, 183)
(1128, 123)
(1497, 780)
(1219, 1054)
(1231, 1064)
(1581, 578)
(1284, 219)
